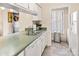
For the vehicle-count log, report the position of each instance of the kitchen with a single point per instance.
(26, 29)
(22, 25)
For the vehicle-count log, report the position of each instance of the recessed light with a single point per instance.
(11, 10)
(2, 8)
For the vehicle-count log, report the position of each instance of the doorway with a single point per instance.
(59, 24)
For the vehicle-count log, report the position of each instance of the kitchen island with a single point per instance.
(13, 45)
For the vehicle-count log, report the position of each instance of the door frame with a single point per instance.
(68, 21)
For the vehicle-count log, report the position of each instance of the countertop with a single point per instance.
(13, 44)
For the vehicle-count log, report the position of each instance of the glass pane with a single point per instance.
(57, 21)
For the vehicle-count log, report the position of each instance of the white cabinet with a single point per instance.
(37, 47)
(43, 42)
(38, 17)
(25, 5)
(21, 7)
(39, 13)
(34, 49)
(29, 51)
(33, 7)
(21, 54)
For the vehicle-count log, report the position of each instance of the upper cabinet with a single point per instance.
(20, 7)
(39, 13)
(28, 8)
(25, 5)
(35, 8)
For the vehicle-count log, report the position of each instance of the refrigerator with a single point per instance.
(74, 33)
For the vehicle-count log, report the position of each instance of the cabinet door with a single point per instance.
(37, 9)
(21, 54)
(29, 51)
(39, 13)
(33, 49)
(45, 36)
(25, 5)
(31, 6)
(42, 44)
(36, 48)
(39, 45)
(43, 41)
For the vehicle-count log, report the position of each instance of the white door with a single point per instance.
(1, 23)
(73, 41)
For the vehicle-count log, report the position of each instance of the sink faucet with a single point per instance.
(30, 31)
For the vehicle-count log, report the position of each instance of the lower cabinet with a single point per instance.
(37, 47)
(33, 49)
(43, 42)
(21, 54)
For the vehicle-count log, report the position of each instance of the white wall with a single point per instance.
(5, 21)
(25, 20)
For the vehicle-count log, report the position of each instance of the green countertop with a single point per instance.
(13, 44)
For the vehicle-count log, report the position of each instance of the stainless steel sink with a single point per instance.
(32, 32)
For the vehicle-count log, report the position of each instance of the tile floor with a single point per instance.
(57, 49)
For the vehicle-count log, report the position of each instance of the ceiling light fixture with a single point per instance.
(11, 10)
(2, 8)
